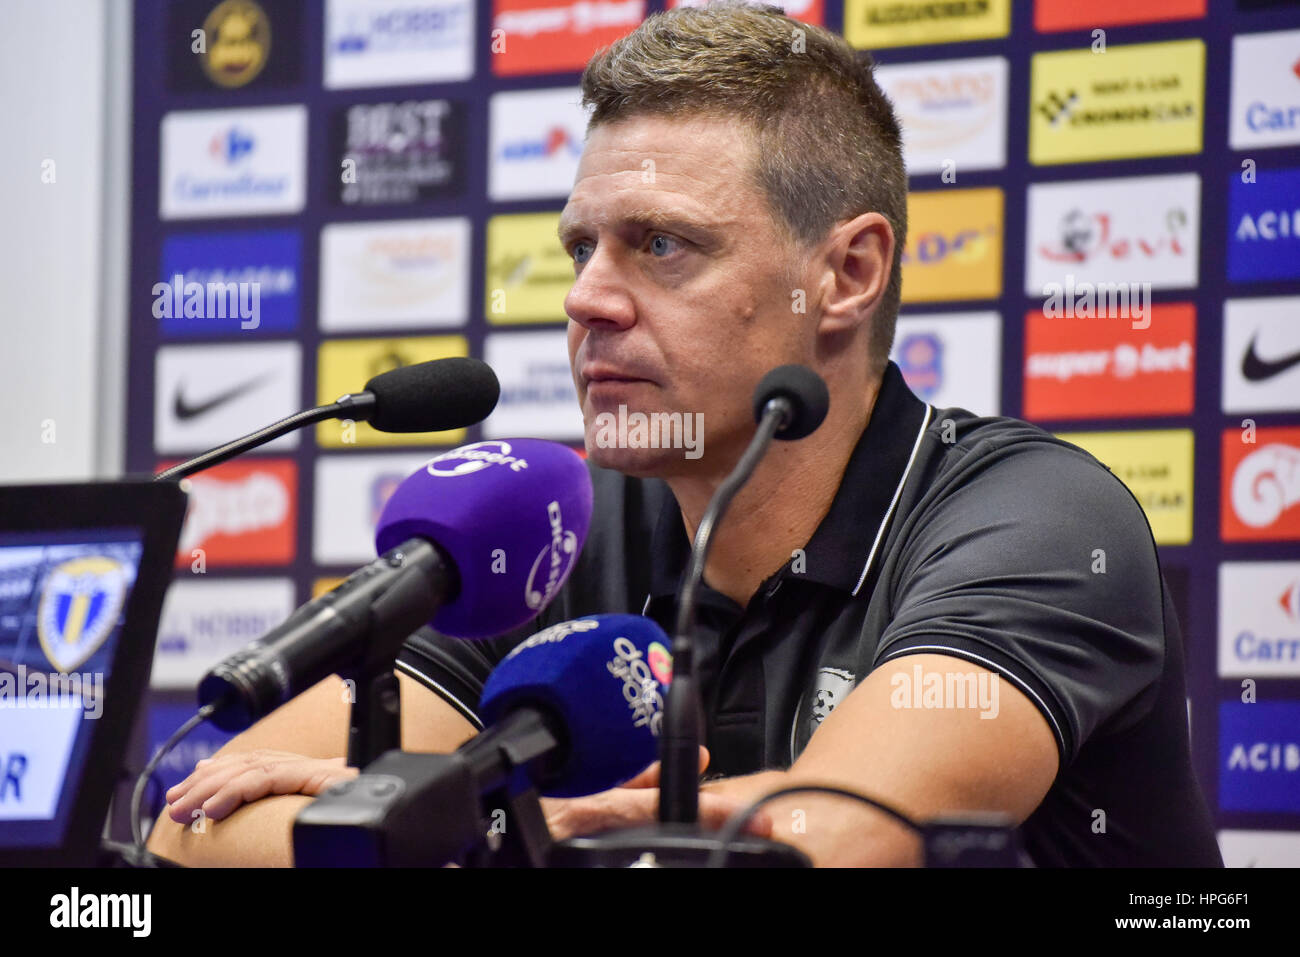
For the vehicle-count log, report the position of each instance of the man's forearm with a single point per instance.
(259, 834)
(832, 831)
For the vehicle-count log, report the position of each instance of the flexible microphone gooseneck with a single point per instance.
(435, 396)
(790, 402)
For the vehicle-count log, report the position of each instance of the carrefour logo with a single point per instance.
(231, 145)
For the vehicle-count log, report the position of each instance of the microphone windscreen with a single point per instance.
(435, 396)
(604, 677)
(512, 515)
(804, 390)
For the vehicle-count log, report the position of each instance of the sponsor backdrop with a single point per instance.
(1104, 239)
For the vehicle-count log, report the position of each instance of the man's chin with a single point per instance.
(639, 463)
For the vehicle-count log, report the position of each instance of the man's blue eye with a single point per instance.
(578, 255)
(662, 245)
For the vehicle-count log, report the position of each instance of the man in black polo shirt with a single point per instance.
(945, 612)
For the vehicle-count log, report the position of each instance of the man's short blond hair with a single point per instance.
(825, 138)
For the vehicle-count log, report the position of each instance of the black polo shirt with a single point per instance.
(986, 539)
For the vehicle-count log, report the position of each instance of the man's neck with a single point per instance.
(781, 505)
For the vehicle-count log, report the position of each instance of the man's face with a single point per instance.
(681, 300)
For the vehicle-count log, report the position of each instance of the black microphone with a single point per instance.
(434, 396)
(789, 403)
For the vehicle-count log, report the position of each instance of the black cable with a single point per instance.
(736, 823)
(137, 795)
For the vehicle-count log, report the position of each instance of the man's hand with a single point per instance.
(636, 803)
(220, 785)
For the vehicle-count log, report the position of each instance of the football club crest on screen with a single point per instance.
(80, 604)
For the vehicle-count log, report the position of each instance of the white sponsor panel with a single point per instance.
(1265, 90)
(1140, 229)
(207, 395)
(953, 113)
(397, 42)
(233, 162)
(538, 398)
(44, 738)
(397, 274)
(204, 621)
(1259, 619)
(351, 491)
(1260, 848)
(1261, 354)
(534, 143)
(952, 360)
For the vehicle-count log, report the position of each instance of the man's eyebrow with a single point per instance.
(661, 216)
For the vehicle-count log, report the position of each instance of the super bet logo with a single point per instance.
(80, 604)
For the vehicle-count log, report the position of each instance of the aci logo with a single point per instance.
(1259, 756)
(1264, 226)
(1261, 485)
(534, 142)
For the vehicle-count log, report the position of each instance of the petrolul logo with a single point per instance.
(75, 909)
(469, 459)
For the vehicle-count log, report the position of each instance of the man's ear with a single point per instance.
(856, 260)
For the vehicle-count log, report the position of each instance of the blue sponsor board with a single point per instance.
(202, 742)
(229, 283)
(1259, 756)
(1264, 226)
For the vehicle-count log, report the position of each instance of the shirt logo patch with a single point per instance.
(833, 686)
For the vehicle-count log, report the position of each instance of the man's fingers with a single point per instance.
(221, 785)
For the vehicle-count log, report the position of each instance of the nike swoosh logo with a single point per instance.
(188, 410)
(1256, 369)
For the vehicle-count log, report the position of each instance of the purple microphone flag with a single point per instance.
(511, 514)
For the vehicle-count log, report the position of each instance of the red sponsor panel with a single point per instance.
(1102, 368)
(241, 513)
(809, 11)
(555, 36)
(1051, 15)
(1260, 489)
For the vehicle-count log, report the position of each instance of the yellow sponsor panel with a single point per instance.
(322, 585)
(954, 245)
(1142, 100)
(528, 271)
(1157, 468)
(345, 365)
(897, 23)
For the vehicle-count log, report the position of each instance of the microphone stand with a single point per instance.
(678, 840)
(357, 406)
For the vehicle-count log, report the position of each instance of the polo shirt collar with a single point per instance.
(843, 548)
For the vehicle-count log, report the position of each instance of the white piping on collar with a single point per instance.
(880, 532)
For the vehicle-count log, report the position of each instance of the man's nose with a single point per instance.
(599, 297)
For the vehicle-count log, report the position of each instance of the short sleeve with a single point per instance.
(1036, 563)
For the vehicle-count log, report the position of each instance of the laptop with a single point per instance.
(83, 571)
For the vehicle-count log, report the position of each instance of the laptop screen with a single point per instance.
(63, 600)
